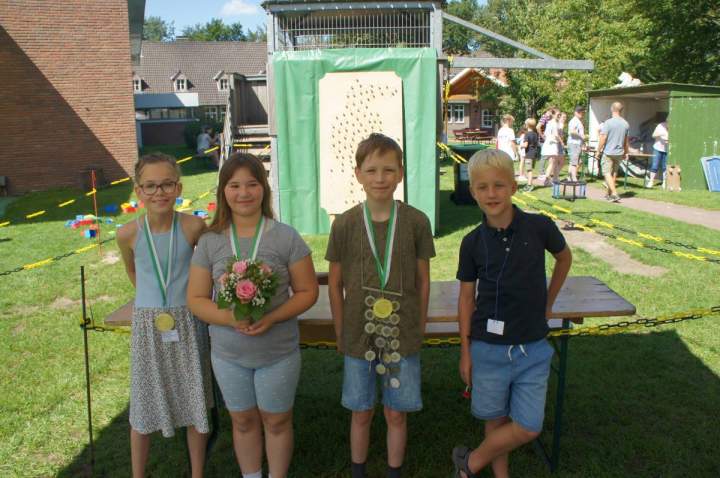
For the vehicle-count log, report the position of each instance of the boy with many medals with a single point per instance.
(379, 253)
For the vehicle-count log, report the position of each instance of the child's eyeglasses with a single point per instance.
(152, 188)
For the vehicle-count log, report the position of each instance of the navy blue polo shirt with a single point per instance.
(509, 267)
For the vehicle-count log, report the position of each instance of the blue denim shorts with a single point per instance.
(271, 388)
(511, 381)
(360, 378)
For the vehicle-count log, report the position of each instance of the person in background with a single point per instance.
(521, 150)
(532, 148)
(659, 159)
(613, 148)
(576, 138)
(506, 137)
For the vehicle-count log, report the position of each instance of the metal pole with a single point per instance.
(87, 367)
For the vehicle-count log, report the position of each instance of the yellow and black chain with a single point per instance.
(595, 330)
(650, 237)
(594, 228)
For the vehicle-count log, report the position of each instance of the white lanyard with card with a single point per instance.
(495, 326)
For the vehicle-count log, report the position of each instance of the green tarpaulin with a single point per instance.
(296, 77)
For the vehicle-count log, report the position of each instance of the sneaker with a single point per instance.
(649, 185)
(522, 178)
(547, 182)
(528, 188)
(614, 198)
(541, 177)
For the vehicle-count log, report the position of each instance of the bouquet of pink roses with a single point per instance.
(247, 286)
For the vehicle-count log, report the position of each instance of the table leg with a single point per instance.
(559, 399)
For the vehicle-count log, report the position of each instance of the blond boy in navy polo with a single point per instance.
(503, 309)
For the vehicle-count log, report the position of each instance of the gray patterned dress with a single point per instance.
(170, 384)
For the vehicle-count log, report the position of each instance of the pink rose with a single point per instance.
(239, 267)
(245, 291)
(266, 269)
(223, 280)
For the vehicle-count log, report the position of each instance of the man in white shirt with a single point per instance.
(659, 160)
(506, 138)
(576, 138)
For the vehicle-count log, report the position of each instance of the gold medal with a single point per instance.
(382, 308)
(164, 322)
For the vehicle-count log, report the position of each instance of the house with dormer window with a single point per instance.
(190, 81)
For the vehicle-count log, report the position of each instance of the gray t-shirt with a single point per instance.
(616, 129)
(280, 247)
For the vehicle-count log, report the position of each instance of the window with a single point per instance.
(486, 119)
(211, 113)
(137, 85)
(222, 114)
(457, 114)
(180, 84)
(223, 84)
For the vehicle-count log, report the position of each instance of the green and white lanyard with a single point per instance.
(383, 270)
(163, 278)
(256, 239)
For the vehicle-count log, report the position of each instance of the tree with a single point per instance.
(157, 29)
(257, 35)
(458, 39)
(215, 30)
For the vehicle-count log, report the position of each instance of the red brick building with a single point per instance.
(66, 102)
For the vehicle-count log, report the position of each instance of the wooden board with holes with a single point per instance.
(353, 105)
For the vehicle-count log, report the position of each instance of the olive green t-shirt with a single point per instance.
(350, 246)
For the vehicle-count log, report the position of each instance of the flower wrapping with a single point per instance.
(247, 286)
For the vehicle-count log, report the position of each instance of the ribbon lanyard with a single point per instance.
(383, 271)
(256, 239)
(164, 278)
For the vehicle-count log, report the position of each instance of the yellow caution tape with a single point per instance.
(38, 264)
(560, 208)
(203, 194)
(531, 196)
(66, 203)
(630, 241)
(86, 248)
(602, 223)
(3, 224)
(690, 256)
(705, 250)
(113, 183)
(91, 192)
(650, 237)
(35, 214)
(180, 161)
(518, 200)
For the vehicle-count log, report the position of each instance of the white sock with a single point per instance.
(257, 474)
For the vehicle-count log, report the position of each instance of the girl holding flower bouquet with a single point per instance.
(170, 364)
(251, 261)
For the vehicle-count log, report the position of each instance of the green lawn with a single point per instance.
(642, 404)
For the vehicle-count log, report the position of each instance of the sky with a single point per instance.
(189, 12)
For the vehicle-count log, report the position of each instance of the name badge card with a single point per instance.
(496, 327)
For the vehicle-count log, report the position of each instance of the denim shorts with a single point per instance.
(574, 151)
(270, 388)
(511, 381)
(360, 378)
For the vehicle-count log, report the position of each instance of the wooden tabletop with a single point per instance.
(580, 297)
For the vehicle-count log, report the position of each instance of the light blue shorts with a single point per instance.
(271, 388)
(360, 378)
(511, 381)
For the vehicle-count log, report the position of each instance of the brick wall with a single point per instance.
(66, 100)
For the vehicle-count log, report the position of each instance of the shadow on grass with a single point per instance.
(636, 405)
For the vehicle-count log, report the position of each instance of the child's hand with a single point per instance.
(338, 345)
(466, 367)
(259, 327)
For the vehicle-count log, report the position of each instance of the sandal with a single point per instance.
(460, 458)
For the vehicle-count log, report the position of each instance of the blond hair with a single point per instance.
(491, 158)
(508, 119)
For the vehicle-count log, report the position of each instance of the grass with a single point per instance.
(642, 404)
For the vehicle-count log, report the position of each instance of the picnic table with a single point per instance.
(579, 298)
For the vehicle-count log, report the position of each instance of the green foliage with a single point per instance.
(157, 29)
(458, 39)
(215, 30)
